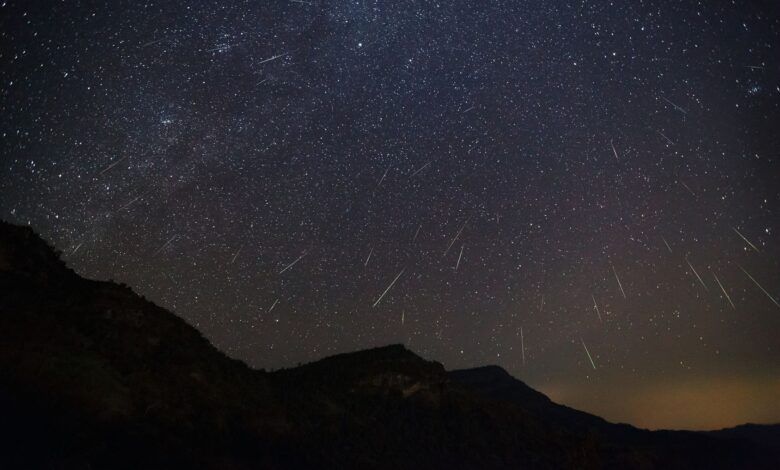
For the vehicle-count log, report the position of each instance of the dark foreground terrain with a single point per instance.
(94, 376)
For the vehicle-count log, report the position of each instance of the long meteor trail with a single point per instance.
(588, 353)
(165, 245)
(759, 286)
(674, 105)
(688, 188)
(697, 274)
(113, 165)
(596, 306)
(618, 281)
(420, 169)
(746, 240)
(388, 288)
(293, 263)
(456, 237)
(724, 290)
(666, 243)
(522, 344)
(272, 58)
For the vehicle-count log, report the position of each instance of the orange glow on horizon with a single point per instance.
(692, 404)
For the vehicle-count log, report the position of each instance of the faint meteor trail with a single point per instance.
(368, 257)
(724, 290)
(675, 106)
(588, 353)
(403, 314)
(666, 243)
(416, 232)
(522, 344)
(459, 257)
(113, 165)
(746, 240)
(618, 281)
(381, 179)
(456, 236)
(236, 255)
(164, 245)
(293, 263)
(420, 169)
(272, 58)
(388, 288)
(76, 249)
(541, 304)
(151, 43)
(131, 202)
(223, 48)
(613, 150)
(596, 306)
(273, 305)
(697, 274)
(759, 286)
(688, 188)
(665, 138)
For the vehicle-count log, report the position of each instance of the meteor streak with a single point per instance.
(613, 150)
(417, 232)
(388, 288)
(596, 306)
(674, 105)
(697, 274)
(724, 291)
(746, 240)
(456, 237)
(164, 245)
(666, 243)
(236, 255)
(618, 281)
(459, 257)
(381, 179)
(272, 58)
(588, 353)
(113, 165)
(522, 344)
(293, 263)
(759, 286)
(420, 169)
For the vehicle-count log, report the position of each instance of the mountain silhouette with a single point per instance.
(94, 376)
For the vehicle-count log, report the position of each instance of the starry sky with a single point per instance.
(585, 193)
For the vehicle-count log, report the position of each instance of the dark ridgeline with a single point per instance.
(94, 376)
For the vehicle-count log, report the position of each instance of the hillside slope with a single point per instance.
(94, 376)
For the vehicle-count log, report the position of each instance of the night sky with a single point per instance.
(587, 195)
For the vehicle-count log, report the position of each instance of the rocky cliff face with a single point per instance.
(94, 376)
